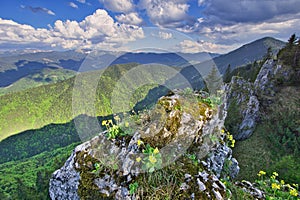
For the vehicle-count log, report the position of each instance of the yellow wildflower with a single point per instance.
(109, 121)
(152, 159)
(294, 192)
(140, 142)
(138, 159)
(126, 124)
(230, 137)
(232, 143)
(261, 173)
(275, 173)
(282, 182)
(275, 186)
(273, 177)
(104, 122)
(156, 151)
(295, 185)
(222, 131)
(117, 118)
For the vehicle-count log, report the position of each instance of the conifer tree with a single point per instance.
(213, 81)
(227, 77)
(292, 40)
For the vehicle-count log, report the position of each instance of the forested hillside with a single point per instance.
(274, 145)
(37, 107)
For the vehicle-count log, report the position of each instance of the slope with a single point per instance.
(248, 53)
(37, 107)
(42, 77)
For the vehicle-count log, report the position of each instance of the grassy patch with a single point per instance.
(274, 145)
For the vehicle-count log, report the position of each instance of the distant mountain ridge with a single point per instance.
(21, 65)
(248, 53)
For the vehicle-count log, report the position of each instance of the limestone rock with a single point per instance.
(251, 189)
(65, 181)
(104, 168)
(241, 94)
(249, 97)
(221, 161)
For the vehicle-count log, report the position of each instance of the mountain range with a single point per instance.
(37, 124)
(15, 66)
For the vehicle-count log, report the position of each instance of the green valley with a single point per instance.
(46, 76)
(36, 107)
(43, 134)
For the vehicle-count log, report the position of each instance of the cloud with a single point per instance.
(122, 6)
(189, 46)
(98, 30)
(233, 23)
(245, 32)
(73, 5)
(131, 18)
(21, 35)
(38, 10)
(170, 14)
(165, 35)
(84, 2)
(201, 2)
(245, 11)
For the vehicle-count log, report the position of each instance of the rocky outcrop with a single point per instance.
(179, 131)
(65, 181)
(241, 95)
(251, 189)
(208, 186)
(221, 161)
(263, 82)
(244, 99)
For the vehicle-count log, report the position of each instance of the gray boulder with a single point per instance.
(104, 168)
(241, 94)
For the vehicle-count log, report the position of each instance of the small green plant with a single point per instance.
(276, 189)
(235, 192)
(193, 158)
(97, 168)
(152, 159)
(133, 188)
(187, 91)
(178, 107)
(211, 101)
(121, 128)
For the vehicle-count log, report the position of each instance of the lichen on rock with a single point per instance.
(243, 108)
(180, 137)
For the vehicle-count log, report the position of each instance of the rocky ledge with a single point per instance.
(245, 100)
(179, 149)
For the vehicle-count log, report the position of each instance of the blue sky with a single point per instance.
(128, 25)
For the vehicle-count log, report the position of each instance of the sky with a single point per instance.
(188, 26)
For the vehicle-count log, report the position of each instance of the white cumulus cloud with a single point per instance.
(189, 46)
(245, 32)
(163, 13)
(123, 6)
(131, 18)
(98, 30)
